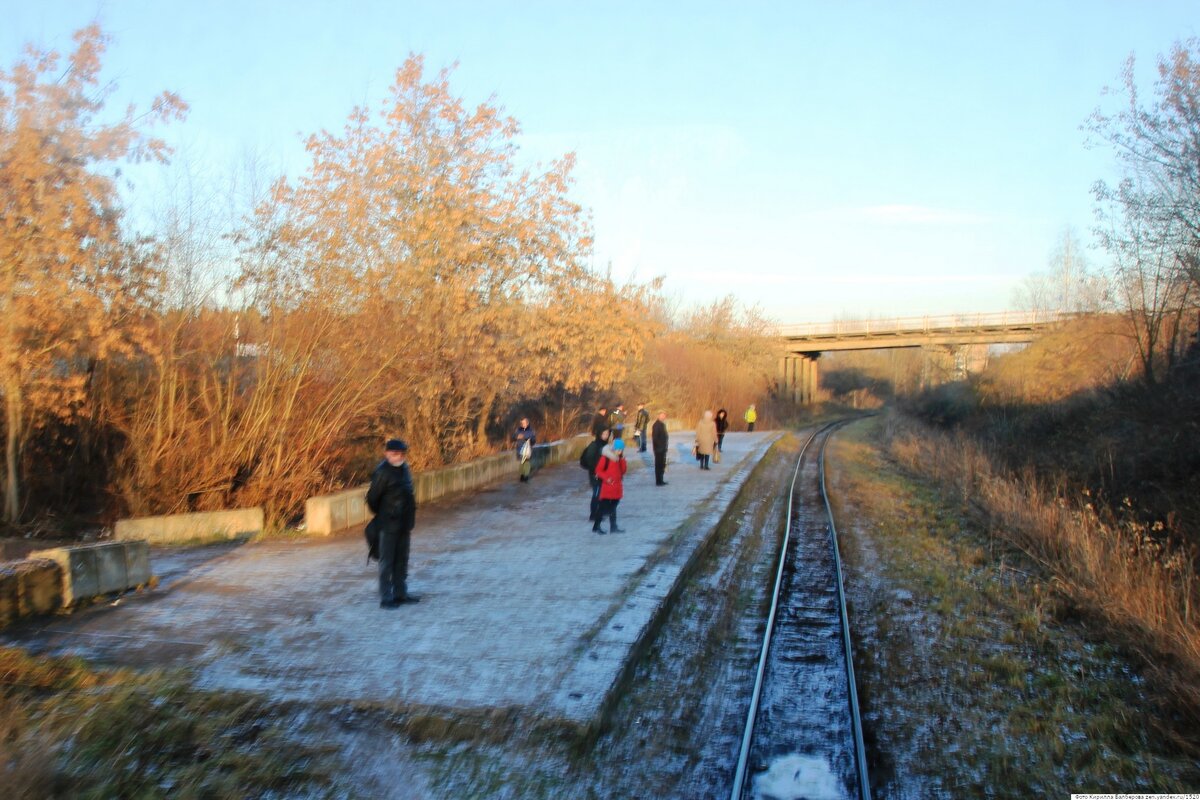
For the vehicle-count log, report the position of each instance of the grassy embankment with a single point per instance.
(977, 678)
(70, 730)
(1095, 475)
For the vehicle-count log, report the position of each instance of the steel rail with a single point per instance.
(739, 777)
(860, 750)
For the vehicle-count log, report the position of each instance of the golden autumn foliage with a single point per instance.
(64, 271)
(715, 356)
(415, 280)
(410, 282)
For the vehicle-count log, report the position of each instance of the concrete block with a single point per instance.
(94, 569)
(338, 516)
(177, 528)
(111, 575)
(27, 588)
(137, 562)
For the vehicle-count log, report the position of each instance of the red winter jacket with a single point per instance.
(610, 473)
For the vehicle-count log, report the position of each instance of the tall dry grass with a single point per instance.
(1118, 571)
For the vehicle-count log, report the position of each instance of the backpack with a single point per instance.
(371, 532)
(589, 456)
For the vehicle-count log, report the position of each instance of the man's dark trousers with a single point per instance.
(596, 484)
(393, 564)
(660, 466)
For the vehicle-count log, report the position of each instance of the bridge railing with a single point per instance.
(927, 324)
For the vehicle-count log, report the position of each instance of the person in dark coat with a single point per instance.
(600, 421)
(616, 422)
(611, 472)
(641, 422)
(525, 437)
(391, 499)
(588, 460)
(722, 426)
(658, 433)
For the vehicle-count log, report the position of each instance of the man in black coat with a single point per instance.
(394, 505)
(588, 459)
(658, 436)
(600, 421)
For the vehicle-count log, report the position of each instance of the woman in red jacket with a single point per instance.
(611, 472)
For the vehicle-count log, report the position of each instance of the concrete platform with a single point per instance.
(524, 610)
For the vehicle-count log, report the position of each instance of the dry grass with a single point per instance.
(1079, 356)
(1119, 573)
(68, 730)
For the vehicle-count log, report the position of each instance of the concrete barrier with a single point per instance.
(327, 513)
(94, 569)
(177, 528)
(29, 587)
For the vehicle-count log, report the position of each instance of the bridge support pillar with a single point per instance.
(812, 378)
(798, 378)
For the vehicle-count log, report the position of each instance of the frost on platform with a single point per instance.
(523, 607)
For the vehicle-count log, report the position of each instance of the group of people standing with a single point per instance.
(392, 500)
(604, 460)
(604, 457)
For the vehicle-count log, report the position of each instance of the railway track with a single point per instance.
(803, 735)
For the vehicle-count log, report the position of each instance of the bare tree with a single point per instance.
(1150, 220)
(1068, 285)
(1154, 295)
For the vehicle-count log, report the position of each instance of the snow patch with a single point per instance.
(797, 777)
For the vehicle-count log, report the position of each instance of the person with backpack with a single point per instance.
(391, 499)
(640, 423)
(588, 459)
(525, 437)
(611, 472)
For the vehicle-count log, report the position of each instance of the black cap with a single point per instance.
(397, 445)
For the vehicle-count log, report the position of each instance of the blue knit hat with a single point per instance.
(619, 445)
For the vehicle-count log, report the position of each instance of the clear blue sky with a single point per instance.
(820, 159)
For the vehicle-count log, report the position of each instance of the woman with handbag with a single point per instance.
(706, 438)
(525, 437)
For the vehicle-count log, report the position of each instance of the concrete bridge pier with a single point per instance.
(799, 377)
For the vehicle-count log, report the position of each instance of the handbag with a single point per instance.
(716, 456)
(696, 451)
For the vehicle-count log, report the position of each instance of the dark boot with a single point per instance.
(597, 529)
(612, 524)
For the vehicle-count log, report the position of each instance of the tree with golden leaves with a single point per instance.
(63, 267)
(460, 271)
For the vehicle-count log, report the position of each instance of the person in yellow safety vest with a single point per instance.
(751, 417)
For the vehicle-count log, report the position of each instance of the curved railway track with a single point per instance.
(803, 735)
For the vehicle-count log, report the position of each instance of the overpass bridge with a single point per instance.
(803, 344)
